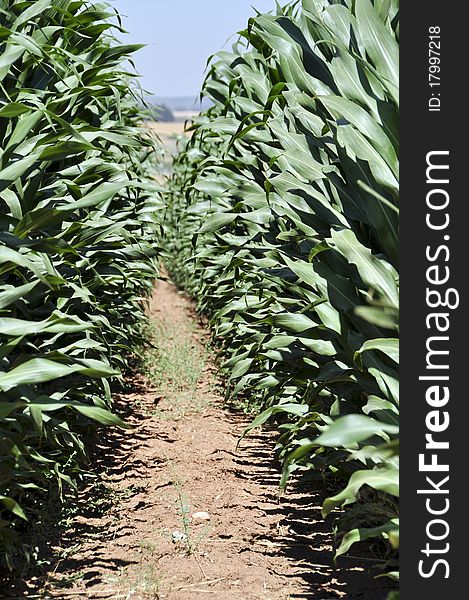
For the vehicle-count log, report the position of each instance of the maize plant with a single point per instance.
(283, 223)
(77, 240)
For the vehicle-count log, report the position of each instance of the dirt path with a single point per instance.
(141, 537)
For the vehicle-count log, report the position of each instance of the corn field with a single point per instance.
(280, 219)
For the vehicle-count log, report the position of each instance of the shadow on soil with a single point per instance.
(308, 538)
(84, 516)
(305, 538)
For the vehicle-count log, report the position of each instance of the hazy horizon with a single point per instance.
(180, 36)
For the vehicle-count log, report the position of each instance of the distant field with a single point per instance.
(183, 115)
(165, 130)
(168, 132)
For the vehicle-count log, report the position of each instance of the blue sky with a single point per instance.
(181, 35)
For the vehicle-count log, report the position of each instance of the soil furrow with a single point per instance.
(190, 515)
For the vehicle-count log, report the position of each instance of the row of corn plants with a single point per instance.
(77, 241)
(283, 223)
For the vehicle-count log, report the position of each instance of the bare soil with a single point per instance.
(181, 458)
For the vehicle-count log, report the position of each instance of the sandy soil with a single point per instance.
(181, 458)
(169, 129)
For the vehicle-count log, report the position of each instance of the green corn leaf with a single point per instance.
(351, 429)
(383, 479)
(100, 415)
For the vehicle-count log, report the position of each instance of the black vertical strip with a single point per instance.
(434, 273)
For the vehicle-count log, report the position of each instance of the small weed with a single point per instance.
(175, 366)
(148, 582)
(191, 541)
(147, 547)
